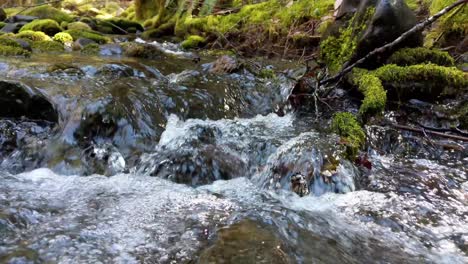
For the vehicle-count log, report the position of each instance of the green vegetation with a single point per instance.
(451, 26)
(47, 46)
(46, 11)
(336, 50)
(193, 41)
(63, 37)
(2, 24)
(139, 50)
(375, 97)
(346, 125)
(78, 26)
(48, 26)
(33, 35)
(412, 56)
(91, 49)
(96, 36)
(9, 47)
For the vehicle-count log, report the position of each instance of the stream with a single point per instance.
(120, 160)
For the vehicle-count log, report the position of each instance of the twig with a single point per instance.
(401, 38)
(439, 134)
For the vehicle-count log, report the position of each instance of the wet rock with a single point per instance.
(82, 42)
(12, 27)
(19, 100)
(110, 49)
(104, 159)
(299, 184)
(21, 18)
(224, 64)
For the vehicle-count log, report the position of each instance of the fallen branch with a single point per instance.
(416, 28)
(435, 133)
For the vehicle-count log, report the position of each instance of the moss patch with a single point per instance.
(346, 125)
(91, 49)
(33, 35)
(2, 24)
(412, 56)
(193, 41)
(97, 37)
(48, 26)
(9, 47)
(138, 50)
(63, 37)
(46, 11)
(449, 27)
(375, 96)
(47, 46)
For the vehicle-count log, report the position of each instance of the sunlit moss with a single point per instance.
(346, 125)
(79, 26)
(47, 11)
(452, 25)
(375, 96)
(412, 56)
(33, 35)
(133, 49)
(48, 26)
(193, 41)
(63, 37)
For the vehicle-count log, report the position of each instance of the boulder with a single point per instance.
(362, 26)
(224, 64)
(3, 15)
(19, 100)
(81, 43)
(110, 49)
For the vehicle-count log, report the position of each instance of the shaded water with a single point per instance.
(200, 171)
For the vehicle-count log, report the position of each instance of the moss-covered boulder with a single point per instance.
(48, 12)
(362, 26)
(47, 46)
(48, 26)
(93, 35)
(33, 35)
(91, 49)
(11, 47)
(78, 26)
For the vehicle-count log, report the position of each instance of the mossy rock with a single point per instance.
(91, 49)
(48, 26)
(451, 28)
(93, 35)
(193, 41)
(33, 35)
(47, 46)
(78, 26)
(412, 56)
(63, 37)
(140, 50)
(9, 47)
(375, 96)
(346, 125)
(48, 12)
(2, 24)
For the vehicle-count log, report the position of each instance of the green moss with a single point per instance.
(450, 26)
(79, 26)
(448, 79)
(9, 47)
(48, 26)
(91, 49)
(2, 24)
(347, 126)
(193, 41)
(139, 50)
(375, 96)
(46, 11)
(97, 37)
(63, 37)
(337, 50)
(47, 46)
(33, 35)
(412, 56)
(267, 74)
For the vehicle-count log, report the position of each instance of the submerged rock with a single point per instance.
(19, 100)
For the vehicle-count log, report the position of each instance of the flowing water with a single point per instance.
(139, 161)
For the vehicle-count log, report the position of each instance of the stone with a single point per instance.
(299, 184)
(110, 49)
(12, 27)
(21, 18)
(19, 100)
(24, 44)
(81, 43)
(224, 64)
